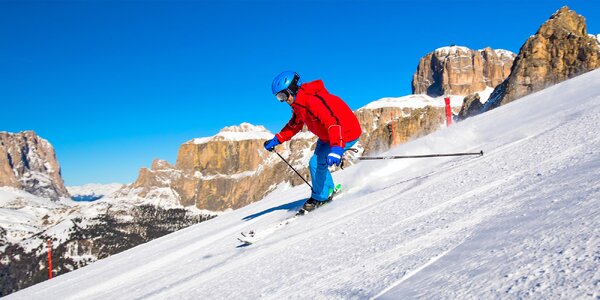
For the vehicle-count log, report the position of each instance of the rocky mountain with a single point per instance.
(457, 70)
(392, 121)
(28, 162)
(228, 170)
(472, 105)
(560, 49)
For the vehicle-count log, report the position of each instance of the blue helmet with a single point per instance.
(288, 80)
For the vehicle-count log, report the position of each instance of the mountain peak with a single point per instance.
(560, 49)
(458, 70)
(244, 131)
(452, 49)
(28, 162)
(244, 127)
(565, 20)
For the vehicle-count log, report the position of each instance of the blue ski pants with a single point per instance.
(321, 178)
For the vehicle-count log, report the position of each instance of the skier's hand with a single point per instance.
(270, 144)
(335, 157)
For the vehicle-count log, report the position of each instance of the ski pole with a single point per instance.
(293, 168)
(480, 153)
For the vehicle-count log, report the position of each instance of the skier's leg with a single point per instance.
(320, 176)
(350, 144)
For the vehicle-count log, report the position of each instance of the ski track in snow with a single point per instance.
(519, 222)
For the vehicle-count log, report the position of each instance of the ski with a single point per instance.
(252, 236)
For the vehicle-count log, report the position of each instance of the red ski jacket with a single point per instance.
(325, 115)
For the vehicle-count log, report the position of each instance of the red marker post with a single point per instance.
(392, 128)
(448, 112)
(49, 259)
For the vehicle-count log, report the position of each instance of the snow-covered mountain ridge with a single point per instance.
(423, 100)
(93, 190)
(81, 232)
(519, 222)
(447, 50)
(244, 131)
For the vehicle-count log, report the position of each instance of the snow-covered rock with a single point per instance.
(244, 131)
(458, 70)
(228, 170)
(414, 102)
(81, 232)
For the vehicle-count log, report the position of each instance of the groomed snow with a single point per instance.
(519, 222)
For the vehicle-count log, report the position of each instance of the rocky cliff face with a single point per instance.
(228, 170)
(393, 121)
(28, 162)
(471, 106)
(461, 71)
(561, 49)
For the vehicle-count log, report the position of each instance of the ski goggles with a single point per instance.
(283, 95)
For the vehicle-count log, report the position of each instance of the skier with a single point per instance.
(325, 115)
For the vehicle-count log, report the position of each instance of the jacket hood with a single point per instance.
(312, 87)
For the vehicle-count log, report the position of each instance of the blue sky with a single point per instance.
(114, 84)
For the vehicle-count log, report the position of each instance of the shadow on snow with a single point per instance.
(292, 206)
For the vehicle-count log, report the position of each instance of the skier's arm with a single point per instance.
(290, 129)
(324, 112)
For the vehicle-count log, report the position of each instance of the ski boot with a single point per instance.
(312, 204)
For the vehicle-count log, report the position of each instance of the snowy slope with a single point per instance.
(521, 221)
(27, 220)
(22, 214)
